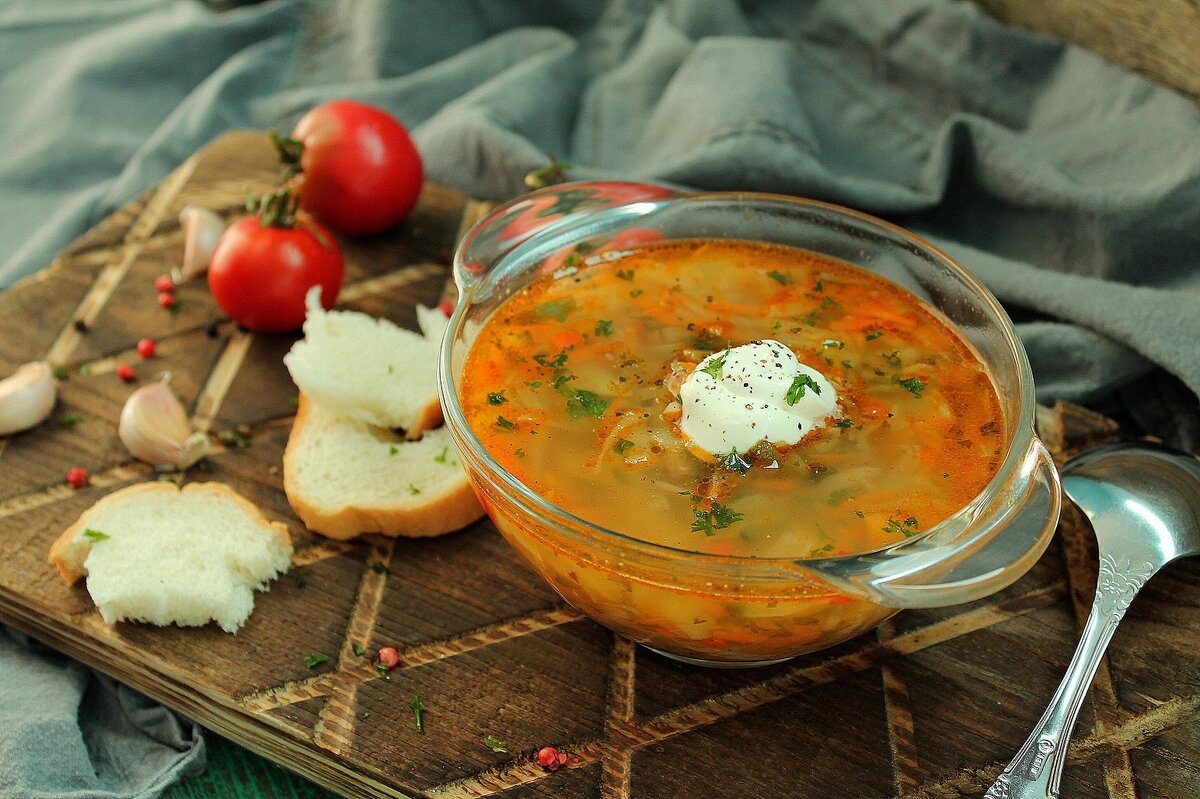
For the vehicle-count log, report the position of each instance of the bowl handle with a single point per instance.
(520, 219)
(970, 560)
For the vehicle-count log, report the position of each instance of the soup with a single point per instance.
(573, 385)
(578, 386)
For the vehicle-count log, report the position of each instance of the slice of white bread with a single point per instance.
(344, 477)
(152, 552)
(369, 369)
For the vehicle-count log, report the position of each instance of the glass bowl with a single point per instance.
(771, 608)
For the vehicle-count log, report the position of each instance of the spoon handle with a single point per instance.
(1036, 770)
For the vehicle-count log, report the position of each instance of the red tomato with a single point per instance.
(360, 172)
(259, 275)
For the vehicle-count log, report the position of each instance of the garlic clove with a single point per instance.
(154, 427)
(201, 230)
(26, 397)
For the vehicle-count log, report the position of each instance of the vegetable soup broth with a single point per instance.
(572, 385)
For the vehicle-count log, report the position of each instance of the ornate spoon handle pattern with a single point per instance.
(1036, 770)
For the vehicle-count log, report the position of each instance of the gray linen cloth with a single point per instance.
(1070, 186)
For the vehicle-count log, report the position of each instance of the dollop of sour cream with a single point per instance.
(740, 396)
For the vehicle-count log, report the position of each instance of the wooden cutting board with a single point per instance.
(932, 704)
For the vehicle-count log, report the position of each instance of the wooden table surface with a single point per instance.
(932, 704)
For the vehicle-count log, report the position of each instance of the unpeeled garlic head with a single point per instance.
(201, 230)
(154, 427)
(26, 397)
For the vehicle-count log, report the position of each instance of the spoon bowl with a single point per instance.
(1139, 496)
(1143, 501)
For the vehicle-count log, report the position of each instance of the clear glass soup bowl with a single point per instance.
(768, 609)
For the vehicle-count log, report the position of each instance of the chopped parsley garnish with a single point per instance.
(623, 445)
(555, 309)
(558, 362)
(315, 659)
(380, 568)
(497, 397)
(715, 367)
(393, 449)
(520, 453)
(70, 419)
(636, 293)
(779, 277)
(860, 514)
(232, 438)
(874, 334)
(625, 274)
(838, 496)
(832, 343)
(830, 302)
(441, 457)
(383, 671)
(495, 744)
(505, 424)
(893, 358)
(908, 529)
(800, 384)
(561, 379)
(709, 521)
(819, 286)
(845, 424)
(573, 260)
(734, 462)
(913, 385)
(300, 575)
(534, 383)
(418, 710)
(95, 535)
(412, 489)
(604, 327)
(357, 650)
(582, 402)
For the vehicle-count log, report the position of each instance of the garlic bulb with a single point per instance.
(201, 230)
(26, 397)
(154, 427)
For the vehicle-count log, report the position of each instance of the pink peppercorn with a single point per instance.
(164, 283)
(147, 348)
(446, 307)
(389, 657)
(77, 477)
(548, 757)
(126, 372)
(166, 299)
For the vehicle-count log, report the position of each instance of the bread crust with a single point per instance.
(447, 513)
(67, 555)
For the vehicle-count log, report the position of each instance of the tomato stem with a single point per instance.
(548, 175)
(275, 208)
(290, 151)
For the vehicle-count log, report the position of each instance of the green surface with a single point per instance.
(237, 773)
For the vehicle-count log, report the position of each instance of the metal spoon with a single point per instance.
(1144, 503)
